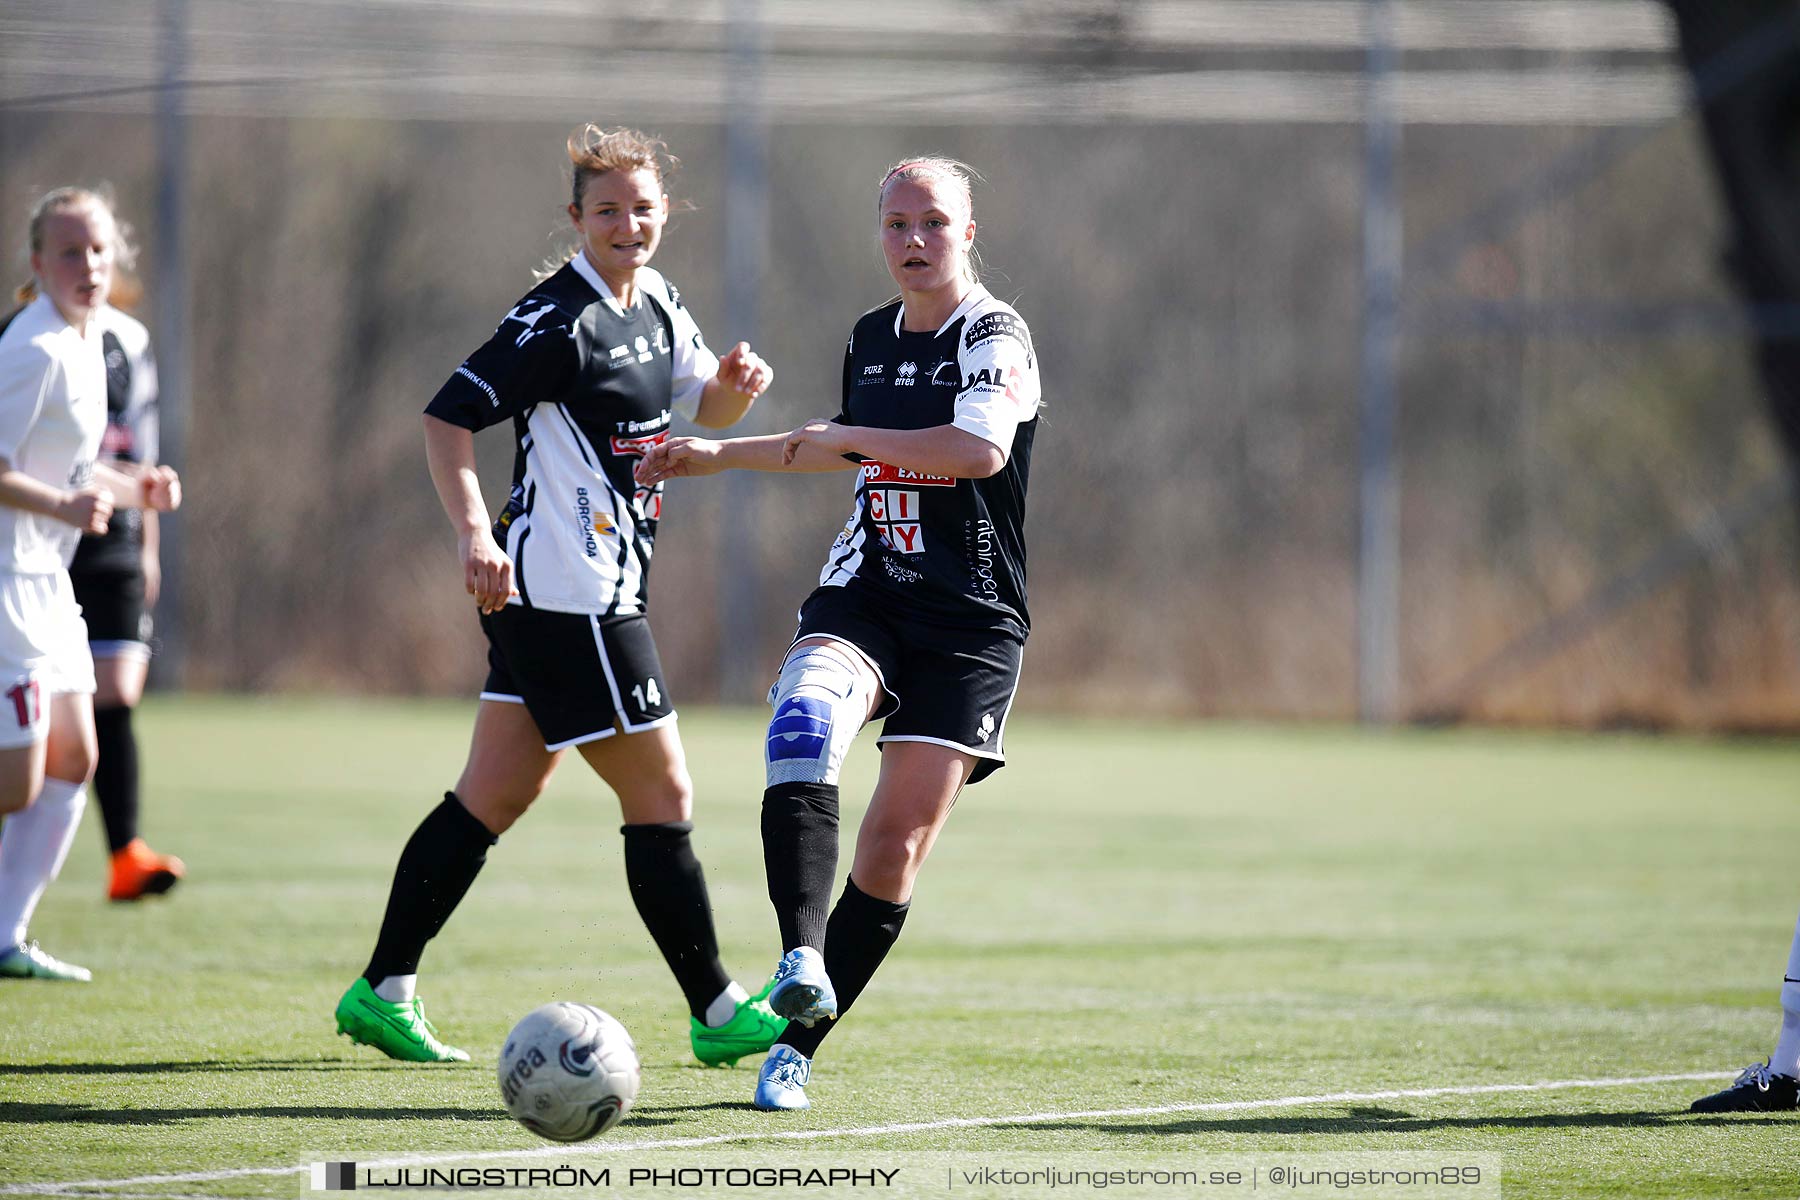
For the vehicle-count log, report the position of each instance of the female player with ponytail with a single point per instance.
(52, 490)
(919, 616)
(588, 370)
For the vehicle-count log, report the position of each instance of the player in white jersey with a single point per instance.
(589, 368)
(52, 415)
(919, 616)
(117, 575)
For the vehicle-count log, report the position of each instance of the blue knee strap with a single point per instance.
(820, 702)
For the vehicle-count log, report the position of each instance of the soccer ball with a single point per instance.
(569, 1072)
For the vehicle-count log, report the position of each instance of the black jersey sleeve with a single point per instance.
(843, 417)
(532, 357)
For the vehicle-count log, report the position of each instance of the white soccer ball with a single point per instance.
(568, 1072)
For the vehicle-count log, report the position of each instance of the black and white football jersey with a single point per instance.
(131, 437)
(590, 387)
(952, 548)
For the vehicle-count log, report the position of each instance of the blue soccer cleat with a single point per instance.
(801, 990)
(781, 1084)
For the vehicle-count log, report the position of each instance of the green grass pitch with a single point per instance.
(1125, 919)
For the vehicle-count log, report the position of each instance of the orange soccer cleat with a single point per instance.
(139, 871)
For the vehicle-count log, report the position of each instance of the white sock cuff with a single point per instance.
(398, 989)
(60, 793)
(725, 1005)
(1786, 1059)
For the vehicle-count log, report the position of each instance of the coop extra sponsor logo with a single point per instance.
(879, 472)
(637, 447)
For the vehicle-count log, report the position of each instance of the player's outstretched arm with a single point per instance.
(487, 571)
(940, 450)
(683, 457)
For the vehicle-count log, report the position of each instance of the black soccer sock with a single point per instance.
(440, 861)
(669, 889)
(861, 932)
(800, 850)
(116, 775)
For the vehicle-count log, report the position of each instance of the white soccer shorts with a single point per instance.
(43, 651)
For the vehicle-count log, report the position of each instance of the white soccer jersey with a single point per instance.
(52, 416)
(590, 387)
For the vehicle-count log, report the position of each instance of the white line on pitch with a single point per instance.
(809, 1135)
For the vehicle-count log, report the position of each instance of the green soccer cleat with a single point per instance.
(397, 1030)
(752, 1029)
(26, 961)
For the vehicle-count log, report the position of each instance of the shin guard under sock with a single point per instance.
(669, 889)
(800, 850)
(116, 776)
(440, 861)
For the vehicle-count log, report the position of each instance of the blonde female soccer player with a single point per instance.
(919, 616)
(52, 490)
(588, 370)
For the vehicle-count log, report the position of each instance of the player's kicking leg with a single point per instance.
(1772, 1086)
(824, 695)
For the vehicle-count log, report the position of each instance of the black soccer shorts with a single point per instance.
(581, 676)
(951, 685)
(112, 604)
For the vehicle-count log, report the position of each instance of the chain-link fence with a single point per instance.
(1592, 521)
